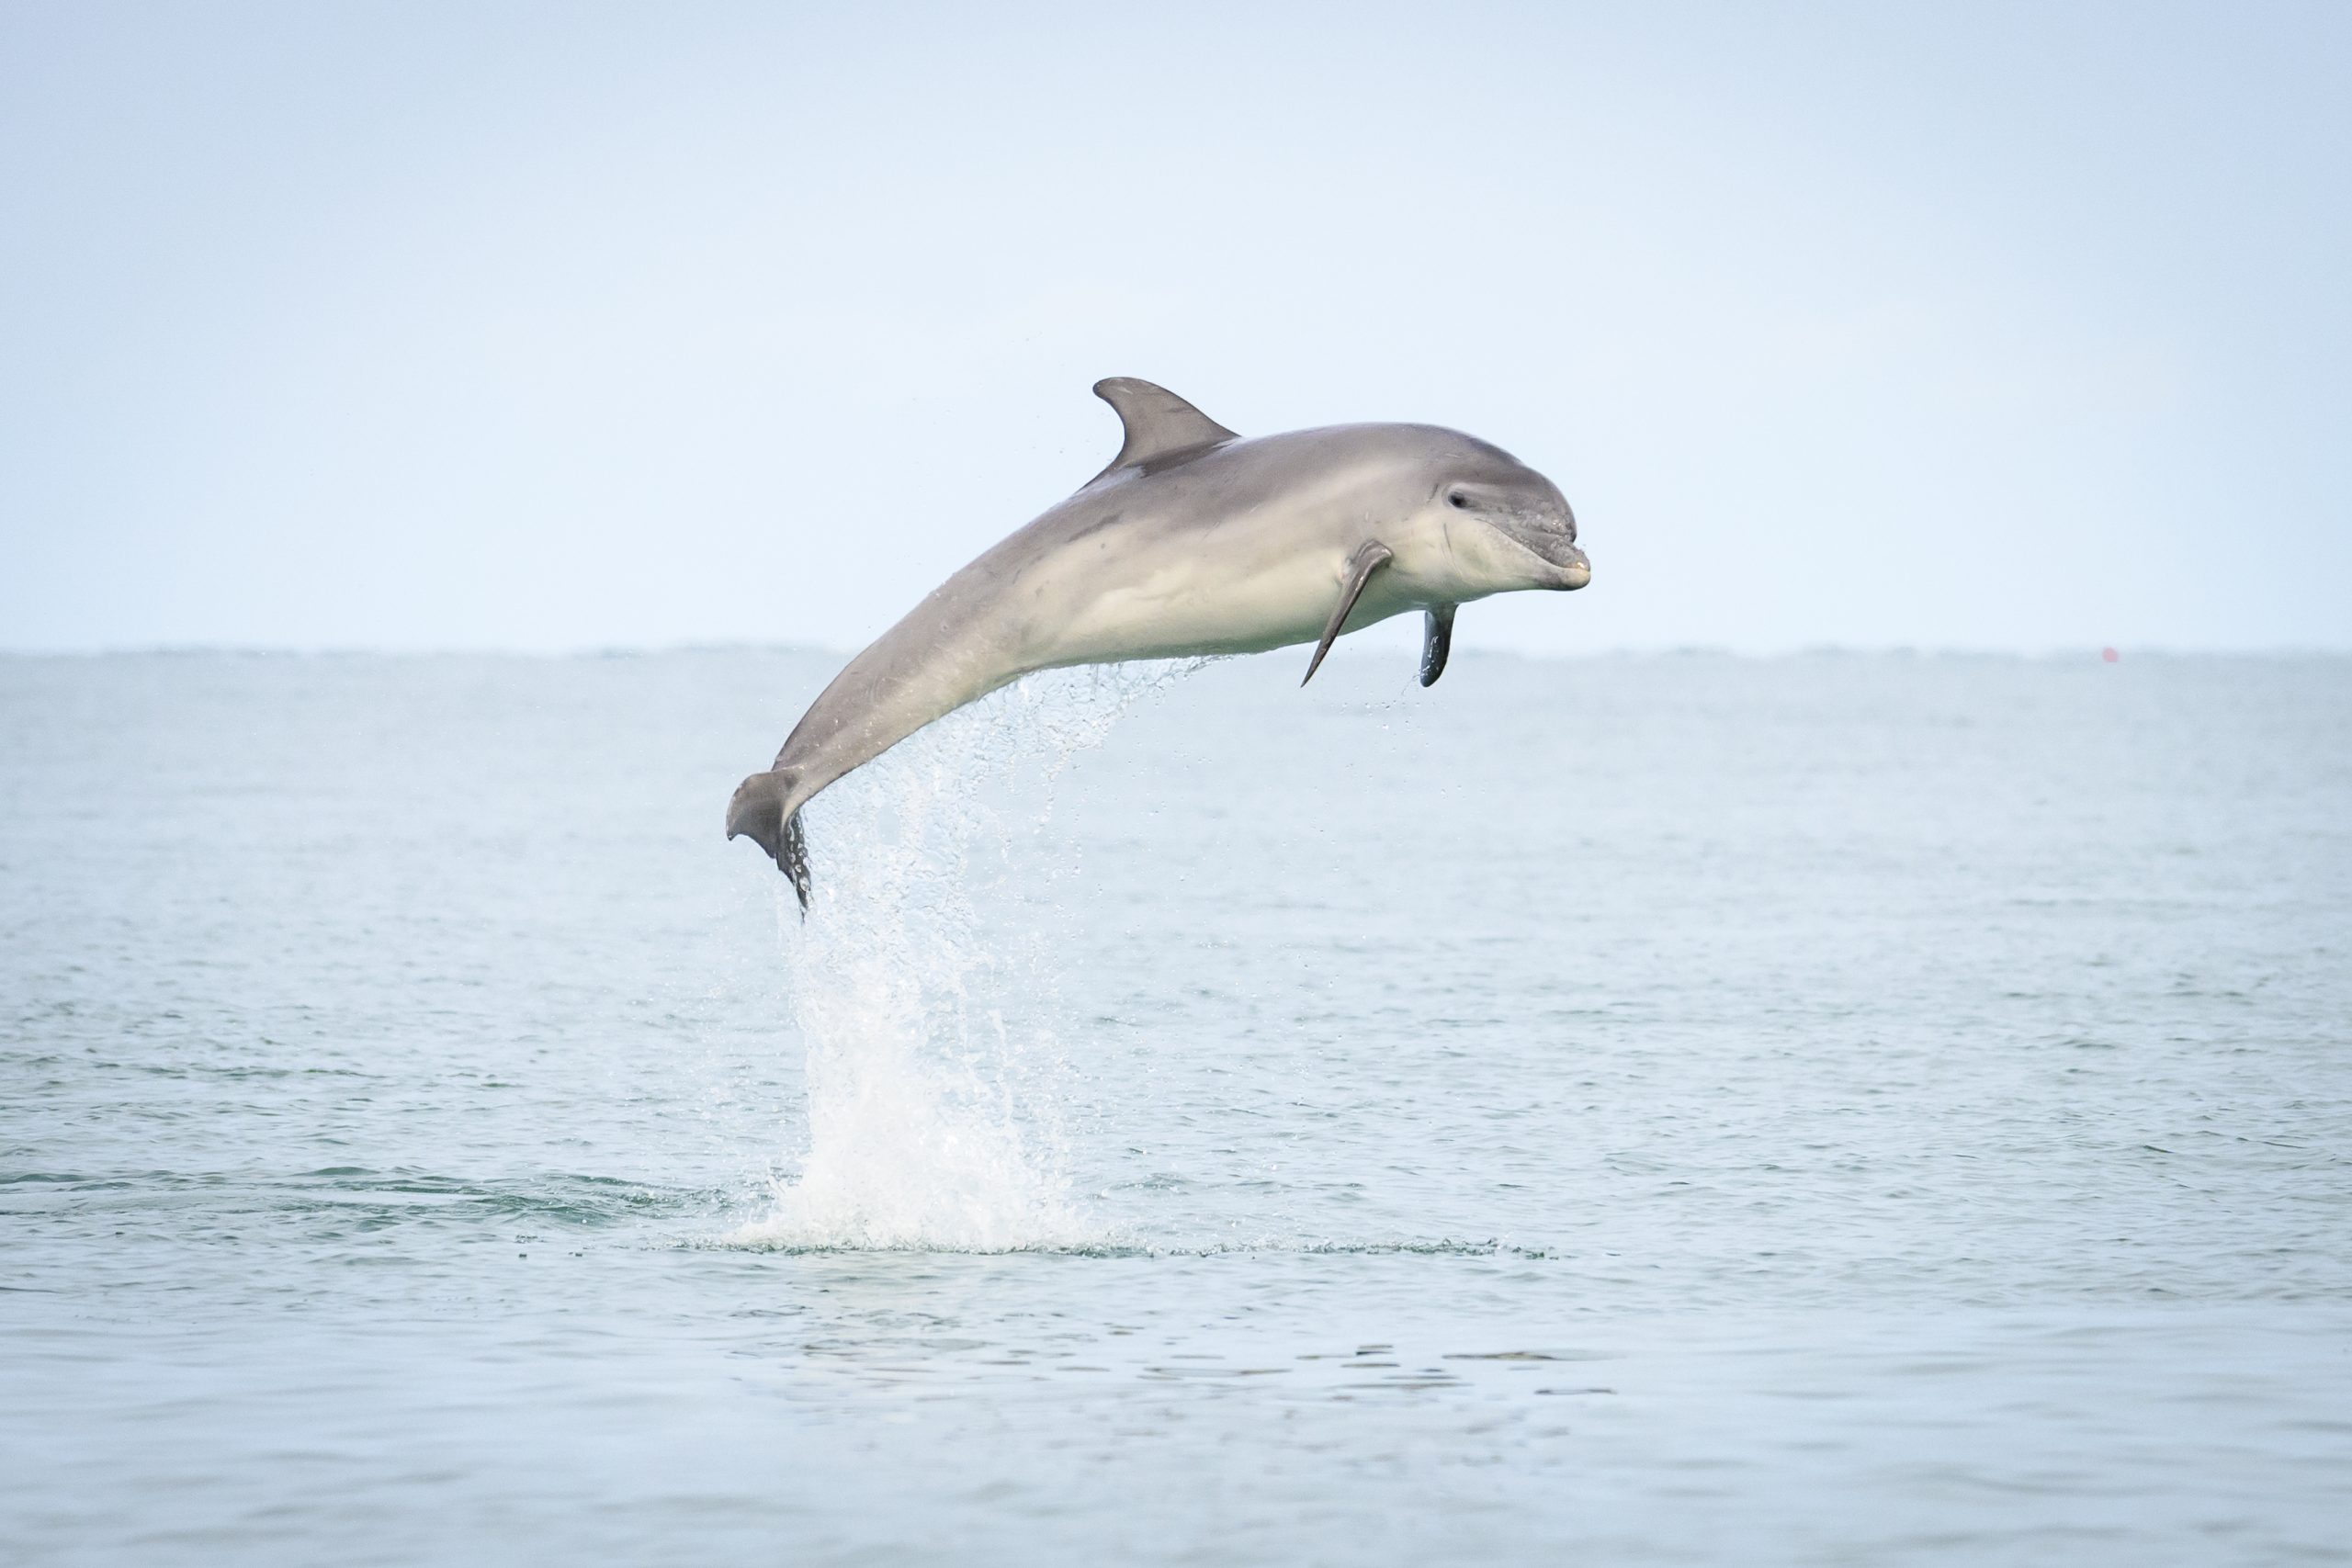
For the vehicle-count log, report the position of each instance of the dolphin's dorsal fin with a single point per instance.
(1159, 424)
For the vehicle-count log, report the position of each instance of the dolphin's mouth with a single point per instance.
(1559, 551)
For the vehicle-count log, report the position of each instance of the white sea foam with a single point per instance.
(924, 985)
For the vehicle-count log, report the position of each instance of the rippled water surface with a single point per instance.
(1648, 1109)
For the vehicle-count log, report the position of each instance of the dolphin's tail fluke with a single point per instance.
(757, 813)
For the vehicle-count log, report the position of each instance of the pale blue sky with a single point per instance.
(548, 327)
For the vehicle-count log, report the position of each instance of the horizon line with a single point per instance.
(2104, 651)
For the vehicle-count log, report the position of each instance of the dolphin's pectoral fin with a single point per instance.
(1437, 641)
(1370, 557)
(757, 813)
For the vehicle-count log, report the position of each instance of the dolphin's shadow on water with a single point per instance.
(925, 988)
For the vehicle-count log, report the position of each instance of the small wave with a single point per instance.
(763, 1236)
(341, 1200)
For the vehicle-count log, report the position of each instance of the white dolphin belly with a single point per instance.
(1198, 603)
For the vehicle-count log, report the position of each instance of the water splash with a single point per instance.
(924, 985)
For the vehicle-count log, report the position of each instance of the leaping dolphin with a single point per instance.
(1193, 542)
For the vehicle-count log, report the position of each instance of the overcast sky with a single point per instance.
(575, 326)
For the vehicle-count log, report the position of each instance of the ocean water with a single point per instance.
(1643, 1109)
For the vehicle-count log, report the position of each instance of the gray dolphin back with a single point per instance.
(841, 731)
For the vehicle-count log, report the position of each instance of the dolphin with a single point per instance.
(1195, 541)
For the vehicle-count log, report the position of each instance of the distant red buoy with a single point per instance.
(2110, 655)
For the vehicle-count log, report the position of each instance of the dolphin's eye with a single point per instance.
(1456, 499)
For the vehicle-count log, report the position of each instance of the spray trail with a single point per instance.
(925, 988)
